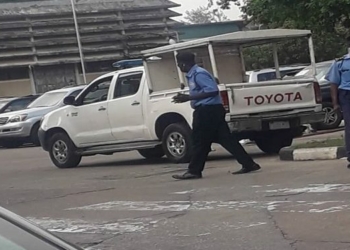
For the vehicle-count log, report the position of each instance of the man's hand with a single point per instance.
(181, 98)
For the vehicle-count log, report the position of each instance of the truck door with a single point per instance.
(125, 110)
(89, 118)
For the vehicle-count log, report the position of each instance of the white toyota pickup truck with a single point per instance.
(132, 109)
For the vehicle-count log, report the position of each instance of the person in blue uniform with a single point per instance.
(339, 76)
(209, 124)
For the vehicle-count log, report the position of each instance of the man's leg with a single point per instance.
(202, 133)
(344, 100)
(232, 145)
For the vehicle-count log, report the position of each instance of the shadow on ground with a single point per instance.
(162, 161)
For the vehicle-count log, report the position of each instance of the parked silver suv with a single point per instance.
(17, 128)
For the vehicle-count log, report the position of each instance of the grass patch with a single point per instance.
(339, 142)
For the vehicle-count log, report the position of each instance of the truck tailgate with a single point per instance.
(254, 98)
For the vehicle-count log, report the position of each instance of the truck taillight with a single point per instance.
(318, 94)
(225, 101)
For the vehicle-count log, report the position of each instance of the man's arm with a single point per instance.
(334, 96)
(204, 95)
(334, 77)
(207, 84)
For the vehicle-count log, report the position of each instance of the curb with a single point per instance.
(312, 154)
(322, 132)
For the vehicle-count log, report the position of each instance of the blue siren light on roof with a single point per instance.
(132, 63)
(125, 64)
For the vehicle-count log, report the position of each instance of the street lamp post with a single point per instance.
(79, 41)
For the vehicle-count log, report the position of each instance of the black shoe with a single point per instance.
(349, 166)
(187, 176)
(246, 170)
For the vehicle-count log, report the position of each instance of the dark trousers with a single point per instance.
(344, 101)
(209, 125)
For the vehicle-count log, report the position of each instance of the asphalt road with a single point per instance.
(125, 202)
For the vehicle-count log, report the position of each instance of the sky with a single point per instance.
(232, 14)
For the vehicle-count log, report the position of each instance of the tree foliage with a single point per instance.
(329, 21)
(325, 15)
(205, 14)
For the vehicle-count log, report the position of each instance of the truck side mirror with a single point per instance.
(69, 100)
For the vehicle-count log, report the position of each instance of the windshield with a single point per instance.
(13, 237)
(321, 71)
(3, 103)
(263, 77)
(49, 99)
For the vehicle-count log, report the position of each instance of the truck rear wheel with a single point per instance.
(272, 143)
(62, 151)
(177, 143)
(152, 153)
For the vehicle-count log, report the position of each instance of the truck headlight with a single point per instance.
(17, 118)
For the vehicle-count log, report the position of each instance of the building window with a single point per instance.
(95, 67)
(8, 74)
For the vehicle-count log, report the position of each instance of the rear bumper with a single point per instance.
(263, 123)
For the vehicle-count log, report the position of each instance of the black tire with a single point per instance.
(332, 119)
(183, 131)
(152, 153)
(34, 138)
(61, 142)
(11, 144)
(272, 143)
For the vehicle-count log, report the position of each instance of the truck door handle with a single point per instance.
(135, 103)
(102, 109)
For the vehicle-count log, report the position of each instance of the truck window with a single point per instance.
(98, 92)
(75, 93)
(272, 75)
(127, 85)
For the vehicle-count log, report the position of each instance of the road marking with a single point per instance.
(313, 188)
(80, 226)
(180, 206)
(187, 192)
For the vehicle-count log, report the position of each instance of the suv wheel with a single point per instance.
(332, 118)
(62, 151)
(34, 138)
(11, 144)
(177, 143)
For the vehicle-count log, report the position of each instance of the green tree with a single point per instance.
(329, 21)
(205, 14)
(325, 15)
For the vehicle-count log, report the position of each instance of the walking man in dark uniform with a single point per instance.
(339, 76)
(209, 122)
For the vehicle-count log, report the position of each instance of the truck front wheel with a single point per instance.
(152, 153)
(272, 143)
(177, 143)
(62, 151)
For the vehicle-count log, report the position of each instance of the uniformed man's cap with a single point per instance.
(185, 57)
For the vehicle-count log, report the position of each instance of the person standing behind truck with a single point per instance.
(339, 76)
(209, 122)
